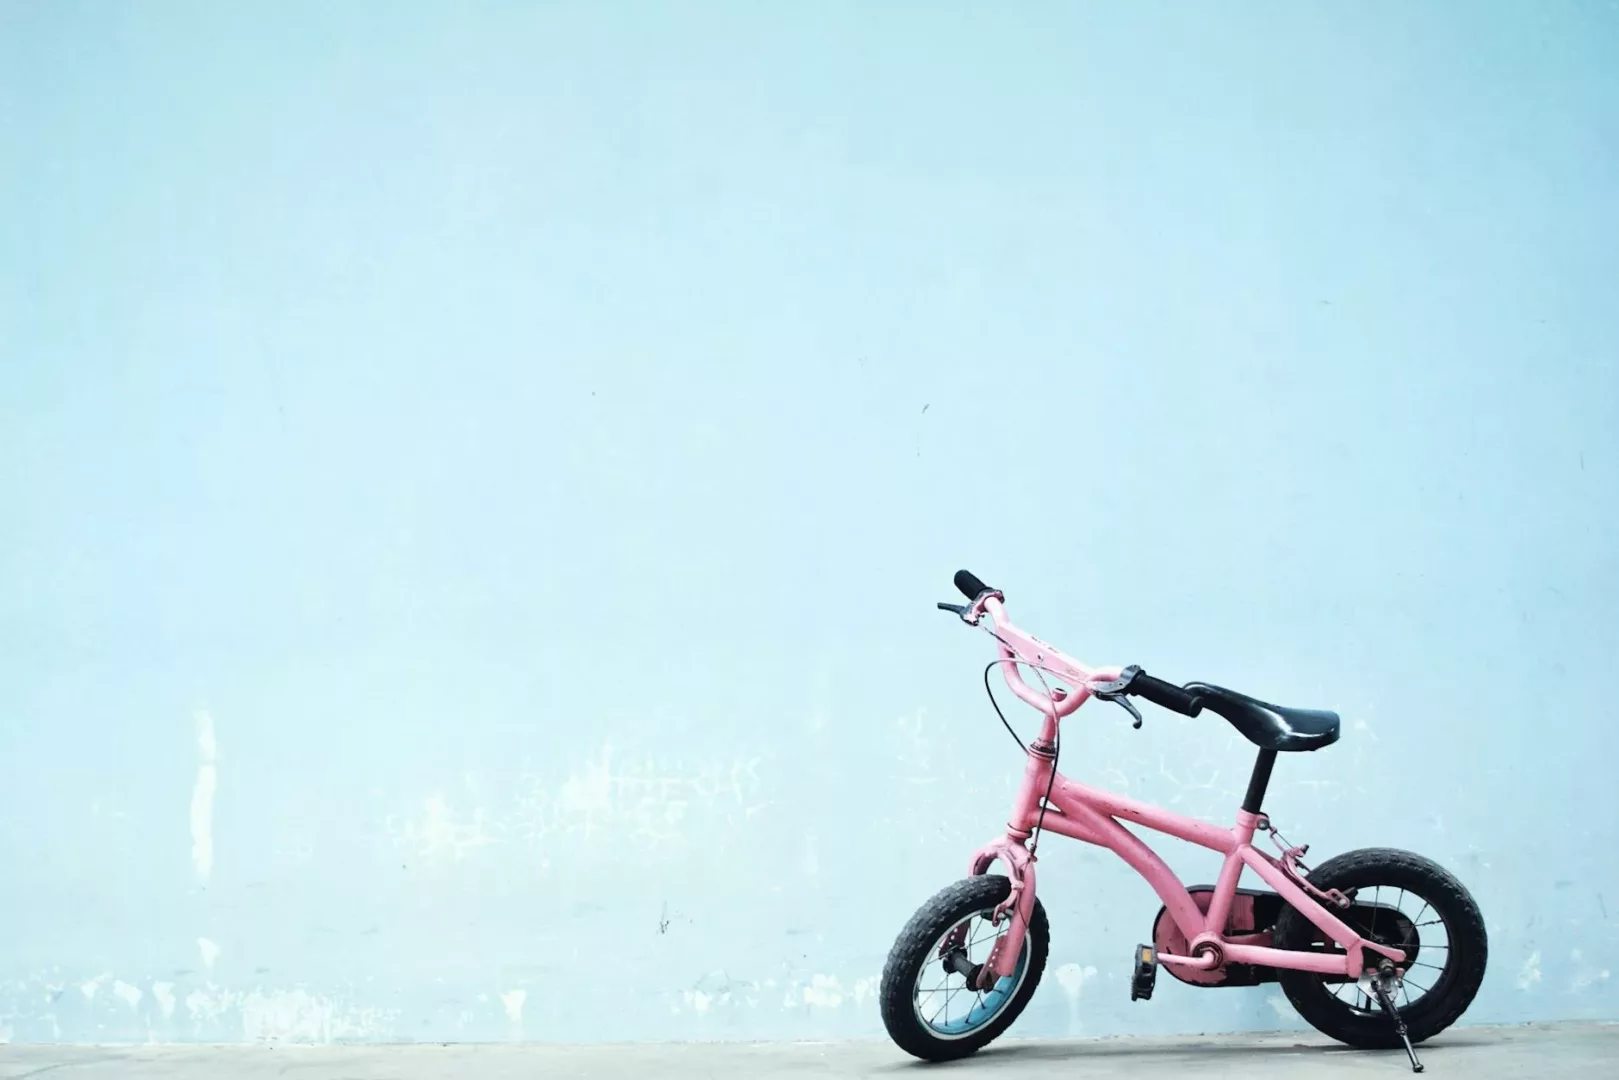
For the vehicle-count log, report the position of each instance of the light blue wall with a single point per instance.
(530, 438)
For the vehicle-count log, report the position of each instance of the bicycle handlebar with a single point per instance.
(970, 586)
(1019, 647)
(1165, 694)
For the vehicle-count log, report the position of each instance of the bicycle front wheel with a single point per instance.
(928, 1007)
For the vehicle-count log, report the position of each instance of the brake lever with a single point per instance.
(962, 611)
(1130, 708)
(1117, 690)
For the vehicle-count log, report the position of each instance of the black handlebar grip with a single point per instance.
(970, 586)
(1167, 695)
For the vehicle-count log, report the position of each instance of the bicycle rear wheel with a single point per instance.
(1401, 900)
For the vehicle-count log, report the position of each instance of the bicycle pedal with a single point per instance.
(1146, 973)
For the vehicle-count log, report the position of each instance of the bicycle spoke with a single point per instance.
(949, 998)
(1416, 984)
(1419, 963)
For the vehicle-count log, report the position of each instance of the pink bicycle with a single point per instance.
(1377, 948)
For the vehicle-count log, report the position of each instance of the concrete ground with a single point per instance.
(1561, 1051)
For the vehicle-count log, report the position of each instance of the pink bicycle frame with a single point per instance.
(1094, 816)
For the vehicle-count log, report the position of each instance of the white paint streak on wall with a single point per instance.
(513, 1001)
(1072, 978)
(823, 992)
(129, 995)
(89, 989)
(1529, 974)
(810, 859)
(163, 994)
(209, 951)
(202, 798)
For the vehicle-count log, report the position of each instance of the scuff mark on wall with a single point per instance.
(299, 1016)
(202, 798)
(717, 991)
(439, 834)
(296, 1016)
(284, 1016)
(644, 803)
(823, 992)
(1199, 798)
(916, 752)
(1585, 975)
(209, 952)
(122, 1011)
(205, 1006)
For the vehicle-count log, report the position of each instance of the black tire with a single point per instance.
(915, 947)
(1451, 991)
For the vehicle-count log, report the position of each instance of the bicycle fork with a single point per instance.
(1018, 906)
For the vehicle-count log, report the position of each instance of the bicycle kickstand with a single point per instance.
(1385, 998)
